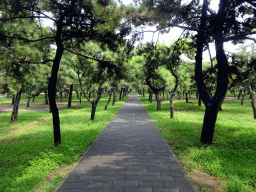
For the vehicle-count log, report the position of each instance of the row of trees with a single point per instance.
(90, 50)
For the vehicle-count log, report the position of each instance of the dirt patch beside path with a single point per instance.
(34, 107)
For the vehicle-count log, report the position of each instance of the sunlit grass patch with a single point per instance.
(30, 162)
(232, 155)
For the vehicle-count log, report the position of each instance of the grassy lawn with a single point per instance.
(29, 161)
(231, 158)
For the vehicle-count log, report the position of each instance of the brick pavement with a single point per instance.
(129, 155)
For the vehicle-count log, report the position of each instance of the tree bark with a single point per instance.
(186, 97)
(13, 99)
(70, 95)
(150, 96)
(110, 94)
(94, 105)
(14, 117)
(158, 101)
(253, 103)
(52, 87)
(172, 105)
(120, 96)
(212, 104)
(46, 97)
(28, 101)
(61, 96)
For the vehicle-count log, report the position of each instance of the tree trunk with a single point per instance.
(61, 96)
(28, 101)
(239, 95)
(52, 88)
(94, 105)
(252, 101)
(13, 99)
(150, 96)
(163, 93)
(33, 99)
(80, 98)
(242, 100)
(212, 104)
(199, 101)
(70, 95)
(186, 97)
(120, 96)
(172, 106)
(158, 101)
(210, 118)
(115, 96)
(46, 97)
(14, 117)
(89, 94)
(143, 92)
(110, 94)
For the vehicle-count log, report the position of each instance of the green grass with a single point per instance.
(231, 157)
(30, 162)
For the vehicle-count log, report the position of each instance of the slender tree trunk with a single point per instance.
(242, 100)
(28, 101)
(167, 94)
(77, 95)
(110, 94)
(120, 96)
(61, 96)
(252, 101)
(80, 98)
(33, 99)
(239, 95)
(14, 117)
(89, 94)
(52, 89)
(46, 97)
(150, 96)
(163, 93)
(158, 101)
(70, 95)
(186, 97)
(115, 96)
(94, 105)
(143, 92)
(172, 105)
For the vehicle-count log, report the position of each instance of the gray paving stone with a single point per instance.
(128, 156)
(110, 190)
(100, 184)
(126, 184)
(138, 190)
(151, 184)
(165, 190)
(114, 178)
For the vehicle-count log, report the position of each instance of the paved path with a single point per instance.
(128, 156)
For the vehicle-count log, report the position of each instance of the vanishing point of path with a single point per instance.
(129, 155)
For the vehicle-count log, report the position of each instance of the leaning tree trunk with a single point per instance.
(242, 100)
(14, 117)
(80, 98)
(70, 95)
(115, 96)
(172, 105)
(110, 94)
(239, 95)
(253, 102)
